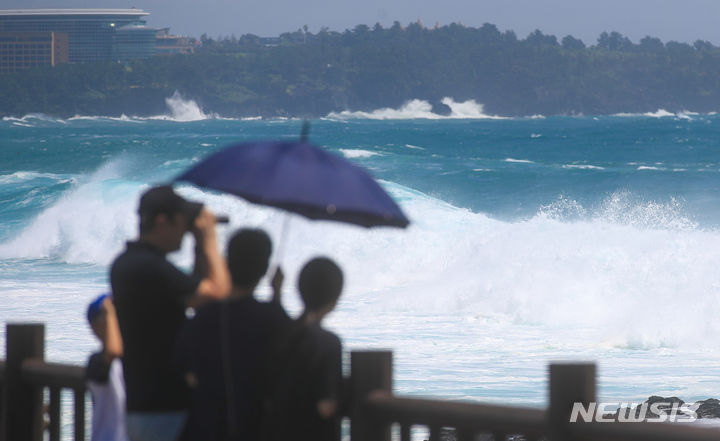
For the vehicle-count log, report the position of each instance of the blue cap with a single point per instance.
(95, 307)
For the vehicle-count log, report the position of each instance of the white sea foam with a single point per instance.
(648, 167)
(636, 265)
(522, 161)
(474, 307)
(414, 147)
(121, 118)
(358, 153)
(662, 113)
(21, 176)
(420, 109)
(182, 110)
(687, 115)
(583, 166)
(31, 119)
(81, 223)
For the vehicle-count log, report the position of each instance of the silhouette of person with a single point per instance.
(151, 296)
(224, 347)
(104, 373)
(306, 371)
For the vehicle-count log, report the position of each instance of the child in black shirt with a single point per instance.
(306, 381)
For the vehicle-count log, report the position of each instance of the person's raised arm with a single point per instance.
(113, 344)
(277, 283)
(216, 283)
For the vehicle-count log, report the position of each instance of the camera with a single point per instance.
(193, 211)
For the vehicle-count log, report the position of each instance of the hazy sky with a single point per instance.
(686, 20)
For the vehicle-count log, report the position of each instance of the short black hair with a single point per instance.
(248, 256)
(320, 283)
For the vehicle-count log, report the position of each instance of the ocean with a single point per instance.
(532, 240)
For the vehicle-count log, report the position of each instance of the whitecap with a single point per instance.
(121, 118)
(661, 113)
(358, 153)
(22, 176)
(522, 161)
(583, 166)
(420, 109)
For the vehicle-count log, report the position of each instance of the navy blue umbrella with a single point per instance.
(301, 178)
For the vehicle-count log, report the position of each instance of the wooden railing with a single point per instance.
(56, 377)
(24, 377)
(373, 409)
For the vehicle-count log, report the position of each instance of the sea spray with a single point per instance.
(83, 226)
(183, 110)
(419, 109)
(626, 262)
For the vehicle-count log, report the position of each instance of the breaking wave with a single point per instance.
(662, 113)
(183, 110)
(420, 109)
(626, 266)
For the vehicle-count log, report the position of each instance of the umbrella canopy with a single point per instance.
(301, 178)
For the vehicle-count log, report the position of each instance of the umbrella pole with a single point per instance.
(281, 241)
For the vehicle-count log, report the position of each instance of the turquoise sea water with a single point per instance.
(532, 240)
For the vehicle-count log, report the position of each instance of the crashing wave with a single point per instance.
(420, 109)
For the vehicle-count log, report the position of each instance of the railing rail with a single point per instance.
(56, 377)
(64, 376)
(372, 407)
(647, 431)
(468, 419)
(25, 375)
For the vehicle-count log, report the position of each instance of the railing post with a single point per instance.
(2, 400)
(55, 413)
(569, 384)
(22, 403)
(370, 371)
(79, 400)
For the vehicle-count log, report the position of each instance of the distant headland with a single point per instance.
(302, 74)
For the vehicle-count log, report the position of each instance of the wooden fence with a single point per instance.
(373, 409)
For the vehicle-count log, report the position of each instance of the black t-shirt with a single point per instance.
(307, 368)
(150, 296)
(225, 346)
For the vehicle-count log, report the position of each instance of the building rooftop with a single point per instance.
(33, 12)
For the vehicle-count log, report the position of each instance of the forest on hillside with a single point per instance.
(309, 75)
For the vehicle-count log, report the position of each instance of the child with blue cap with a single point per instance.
(104, 373)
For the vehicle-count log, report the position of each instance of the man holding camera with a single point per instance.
(151, 296)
